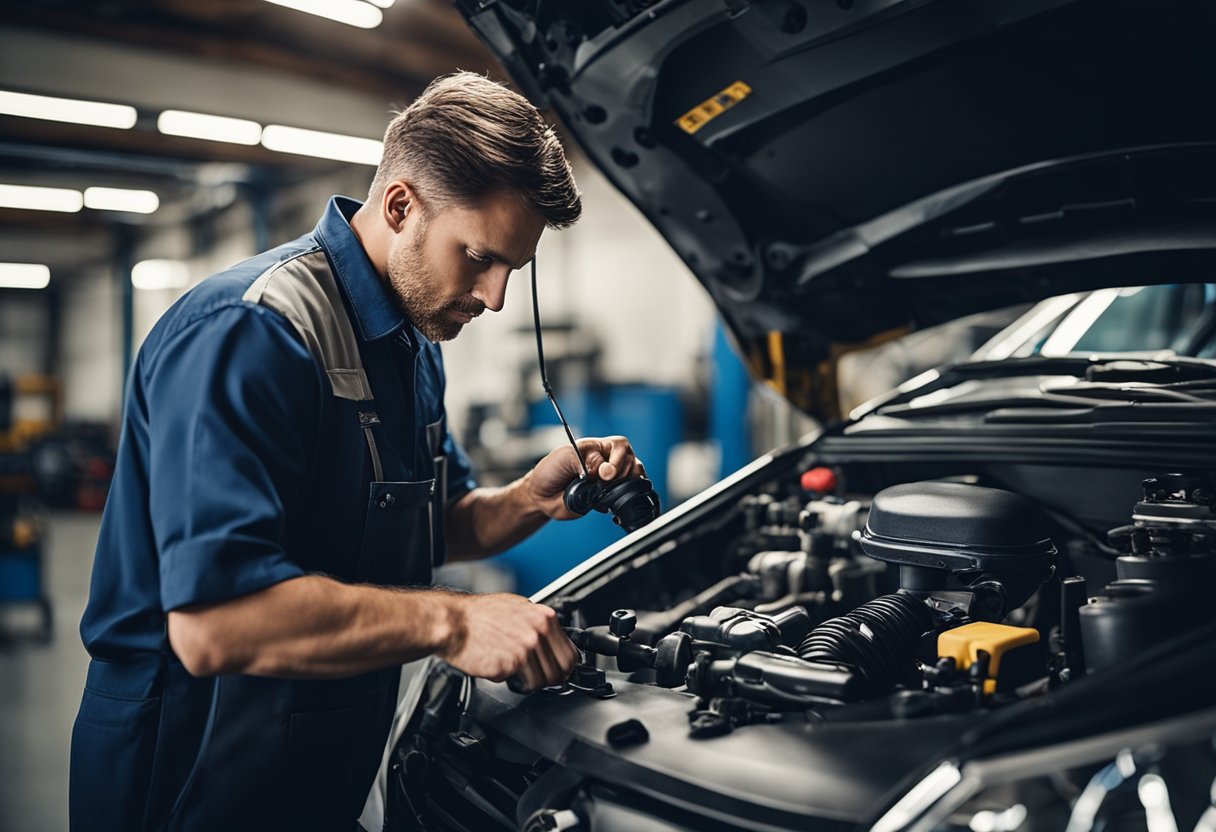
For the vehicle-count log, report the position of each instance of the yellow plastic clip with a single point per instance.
(963, 644)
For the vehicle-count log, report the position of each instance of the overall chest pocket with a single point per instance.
(396, 544)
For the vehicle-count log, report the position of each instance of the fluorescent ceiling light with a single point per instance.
(68, 109)
(41, 199)
(322, 145)
(24, 276)
(350, 12)
(160, 274)
(384, 4)
(121, 199)
(212, 128)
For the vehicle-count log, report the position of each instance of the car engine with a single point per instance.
(913, 620)
(803, 624)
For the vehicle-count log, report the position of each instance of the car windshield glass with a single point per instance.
(1175, 317)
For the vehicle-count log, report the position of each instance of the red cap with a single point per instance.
(819, 480)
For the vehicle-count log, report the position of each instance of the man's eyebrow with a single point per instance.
(487, 252)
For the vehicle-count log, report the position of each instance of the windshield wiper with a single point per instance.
(1123, 392)
(1058, 407)
(1174, 373)
(1093, 368)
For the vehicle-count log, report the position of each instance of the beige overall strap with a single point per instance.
(305, 292)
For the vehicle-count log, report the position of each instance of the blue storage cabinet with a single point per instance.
(21, 579)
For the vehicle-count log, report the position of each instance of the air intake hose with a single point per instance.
(878, 640)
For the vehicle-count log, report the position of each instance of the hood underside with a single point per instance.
(838, 173)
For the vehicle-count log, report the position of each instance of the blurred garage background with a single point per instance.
(145, 144)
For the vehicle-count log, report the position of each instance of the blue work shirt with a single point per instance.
(237, 469)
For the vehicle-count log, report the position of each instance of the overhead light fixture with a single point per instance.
(24, 276)
(384, 4)
(160, 274)
(32, 198)
(71, 110)
(350, 12)
(211, 128)
(322, 145)
(121, 199)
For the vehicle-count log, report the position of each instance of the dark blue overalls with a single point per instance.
(282, 419)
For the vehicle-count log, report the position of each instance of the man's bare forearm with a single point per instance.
(315, 627)
(486, 521)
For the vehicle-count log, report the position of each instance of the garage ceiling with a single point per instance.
(241, 58)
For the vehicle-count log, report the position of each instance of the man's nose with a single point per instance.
(491, 287)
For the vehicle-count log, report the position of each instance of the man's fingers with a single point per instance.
(533, 673)
(561, 650)
(586, 460)
(592, 457)
(551, 666)
(610, 457)
(547, 664)
(565, 653)
(551, 657)
(620, 456)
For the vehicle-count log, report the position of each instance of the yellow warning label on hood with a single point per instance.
(711, 108)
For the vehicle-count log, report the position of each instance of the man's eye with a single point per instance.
(479, 258)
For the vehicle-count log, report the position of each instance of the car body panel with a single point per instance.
(884, 166)
(892, 165)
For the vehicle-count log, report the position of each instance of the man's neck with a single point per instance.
(369, 233)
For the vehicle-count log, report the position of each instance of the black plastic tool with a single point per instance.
(632, 502)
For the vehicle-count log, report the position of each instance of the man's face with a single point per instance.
(448, 269)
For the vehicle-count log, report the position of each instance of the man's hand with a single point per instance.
(499, 636)
(486, 521)
(313, 627)
(608, 458)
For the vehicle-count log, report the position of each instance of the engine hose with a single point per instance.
(878, 640)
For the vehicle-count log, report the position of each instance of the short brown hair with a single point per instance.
(467, 136)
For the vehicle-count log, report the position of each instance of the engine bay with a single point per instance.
(849, 618)
(936, 597)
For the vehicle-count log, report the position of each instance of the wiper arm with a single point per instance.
(1113, 391)
(1066, 407)
(1108, 413)
(1093, 368)
(1174, 372)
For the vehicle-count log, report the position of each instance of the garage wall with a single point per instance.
(611, 274)
(229, 237)
(90, 352)
(24, 318)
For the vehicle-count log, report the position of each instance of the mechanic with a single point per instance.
(264, 558)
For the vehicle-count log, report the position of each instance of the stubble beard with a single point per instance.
(419, 294)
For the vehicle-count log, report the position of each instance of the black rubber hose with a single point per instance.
(878, 640)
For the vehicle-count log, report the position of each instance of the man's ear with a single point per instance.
(399, 200)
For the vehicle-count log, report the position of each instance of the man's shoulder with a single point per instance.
(226, 289)
(220, 300)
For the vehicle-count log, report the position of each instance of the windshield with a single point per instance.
(1178, 318)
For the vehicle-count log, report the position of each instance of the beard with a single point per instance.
(419, 293)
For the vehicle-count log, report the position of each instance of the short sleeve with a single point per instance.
(233, 407)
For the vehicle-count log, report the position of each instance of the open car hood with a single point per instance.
(839, 173)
